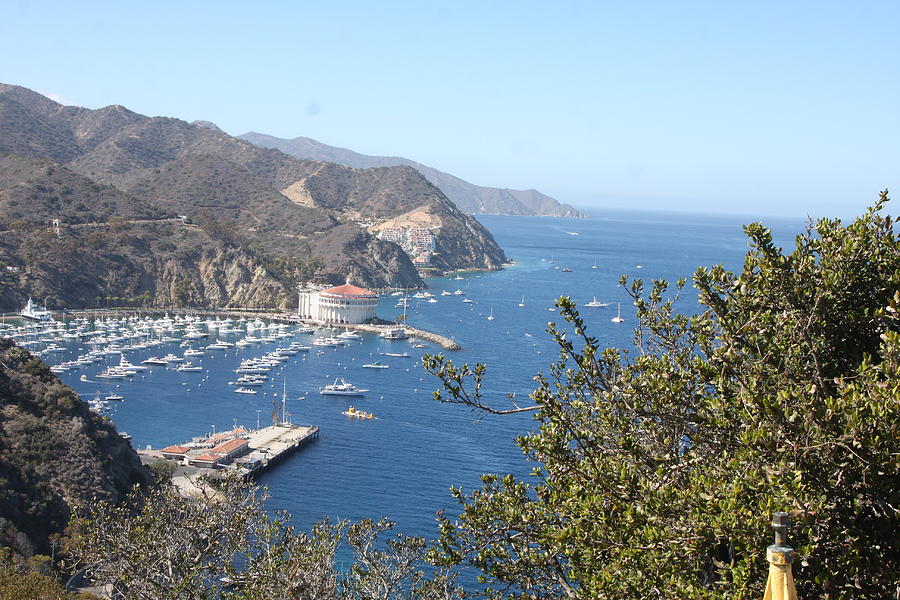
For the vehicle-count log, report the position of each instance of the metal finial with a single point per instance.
(780, 523)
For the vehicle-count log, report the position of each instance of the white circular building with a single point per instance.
(342, 304)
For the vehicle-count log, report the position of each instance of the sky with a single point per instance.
(775, 108)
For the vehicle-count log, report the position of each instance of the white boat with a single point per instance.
(34, 312)
(491, 316)
(341, 388)
(244, 390)
(618, 318)
(394, 333)
(522, 303)
(375, 365)
(172, 359)
(349, 335)
(153, 360)
(124, 364)
(395, 354)
(189, 368)
(113, 397)
(468, 301)
(114, 373)
(595, 303)
(194, 352)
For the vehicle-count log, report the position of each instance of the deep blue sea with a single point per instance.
(402, 464)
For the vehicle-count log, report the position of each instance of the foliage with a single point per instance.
(223, 544)
(657, 471)
(18, 582)
(53, 451)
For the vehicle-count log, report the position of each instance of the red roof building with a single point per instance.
(176, 452)
(231, 448)
(341, 304)
(207, 460)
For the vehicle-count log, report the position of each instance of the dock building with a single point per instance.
(342, 304)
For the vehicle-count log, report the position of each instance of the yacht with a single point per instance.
(124, 364)
(34, 312)
(194, 352)
(113, 397)
(595, 303)
(341, 388)
(395, 354)
(375, 365)
(244, 390)
(188, 368)
(153, 360)
(394, 333)
(172, 359)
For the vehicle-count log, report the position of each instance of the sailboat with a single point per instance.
(491, 316)
(522, 303)
(618, 318)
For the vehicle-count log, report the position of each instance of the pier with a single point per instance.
(246, 453)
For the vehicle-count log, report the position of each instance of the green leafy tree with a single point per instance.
(656, 471)
(223, 544)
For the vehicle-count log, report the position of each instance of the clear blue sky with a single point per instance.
(756, 107)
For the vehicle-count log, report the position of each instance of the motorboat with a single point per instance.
(341, 388)
(172, 359)
(113, 397)
(153, 360)
(189, 368)
(394, 333)
(357, 414)
(244, 390)
(124, 364)
(595, 303)
(395, 354)
(194, 352)
(375, 365)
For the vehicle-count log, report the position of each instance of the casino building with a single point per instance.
(342, 304)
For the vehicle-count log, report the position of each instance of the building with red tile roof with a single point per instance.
(231, 449)
(207, 460)
(341, 304)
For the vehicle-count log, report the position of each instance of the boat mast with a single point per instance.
(284, 401)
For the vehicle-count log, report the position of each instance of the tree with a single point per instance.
(657, 470)
(223, 544)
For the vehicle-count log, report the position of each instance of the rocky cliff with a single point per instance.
(53, 453)
(266, 220)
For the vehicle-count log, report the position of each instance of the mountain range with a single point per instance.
(162, 212)
(468, 197)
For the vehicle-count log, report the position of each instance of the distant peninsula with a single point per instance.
(109, 207)
(468, 197)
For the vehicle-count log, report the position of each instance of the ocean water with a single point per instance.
(402, 464)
